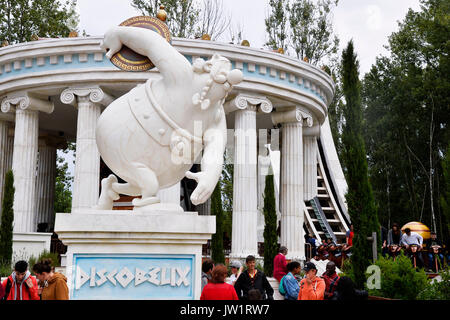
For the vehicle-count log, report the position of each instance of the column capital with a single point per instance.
(94, 93)
(245, 101)
(293, 115)
(25, 101)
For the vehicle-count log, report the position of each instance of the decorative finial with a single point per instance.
(245, 43)
(206, 37)
(162, 14)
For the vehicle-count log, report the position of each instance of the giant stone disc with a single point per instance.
(129, 60)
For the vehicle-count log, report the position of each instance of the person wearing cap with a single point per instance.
(279, 264)
(312, 287)
(236, 270)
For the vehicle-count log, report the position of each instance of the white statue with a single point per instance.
(151, 136)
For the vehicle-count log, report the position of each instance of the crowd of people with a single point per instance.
(430, 254)
(46, 284)
(252, 284)
(328, 249)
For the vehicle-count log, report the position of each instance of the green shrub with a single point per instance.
(270, 228)
(347, 270)
(5, 268)
(44, 255)
(399, 279)
(437, 290)
(7, 220)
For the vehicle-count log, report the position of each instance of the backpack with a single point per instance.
(281, 287)
(7, 290)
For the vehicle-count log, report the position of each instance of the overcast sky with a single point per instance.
(367, 22)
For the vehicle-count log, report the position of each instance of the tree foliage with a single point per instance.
(213, 19)
(226, 184)
(21, 19)
(6, 227)
(407, 119)
(217, 254)
(270, 228)
(277, 25)
(63, 183)
(182, 16)
(303, 25)
(359, 197)
(312, 29)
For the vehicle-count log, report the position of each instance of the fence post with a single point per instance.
(374, 247)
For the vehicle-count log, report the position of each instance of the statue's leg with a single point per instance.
(126, 188)
(148, 184)
(107, 195)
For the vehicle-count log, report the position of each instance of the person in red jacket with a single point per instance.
(21, 285)
(279, 264)
(2, 291)
(217, 289)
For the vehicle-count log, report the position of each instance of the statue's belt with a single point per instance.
(155, 121)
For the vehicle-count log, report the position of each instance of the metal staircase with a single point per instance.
(323, 217)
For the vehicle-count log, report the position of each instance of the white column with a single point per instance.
(292, 205)
(310, 162)
(25, 156)
(46, 176)
(24, 169)
(245, 184)
(87, 161)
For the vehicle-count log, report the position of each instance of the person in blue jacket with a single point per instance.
(290, 284)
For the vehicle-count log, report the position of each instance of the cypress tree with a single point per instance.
(6, 227)
(217, 239)
(360, 200)
(270, 228)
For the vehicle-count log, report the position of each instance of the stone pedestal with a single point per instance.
(30, 244)
(115, 254)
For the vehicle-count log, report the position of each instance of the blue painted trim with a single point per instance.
(105, 63)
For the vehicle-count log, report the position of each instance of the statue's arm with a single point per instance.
(172, 65)
(214, 140)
